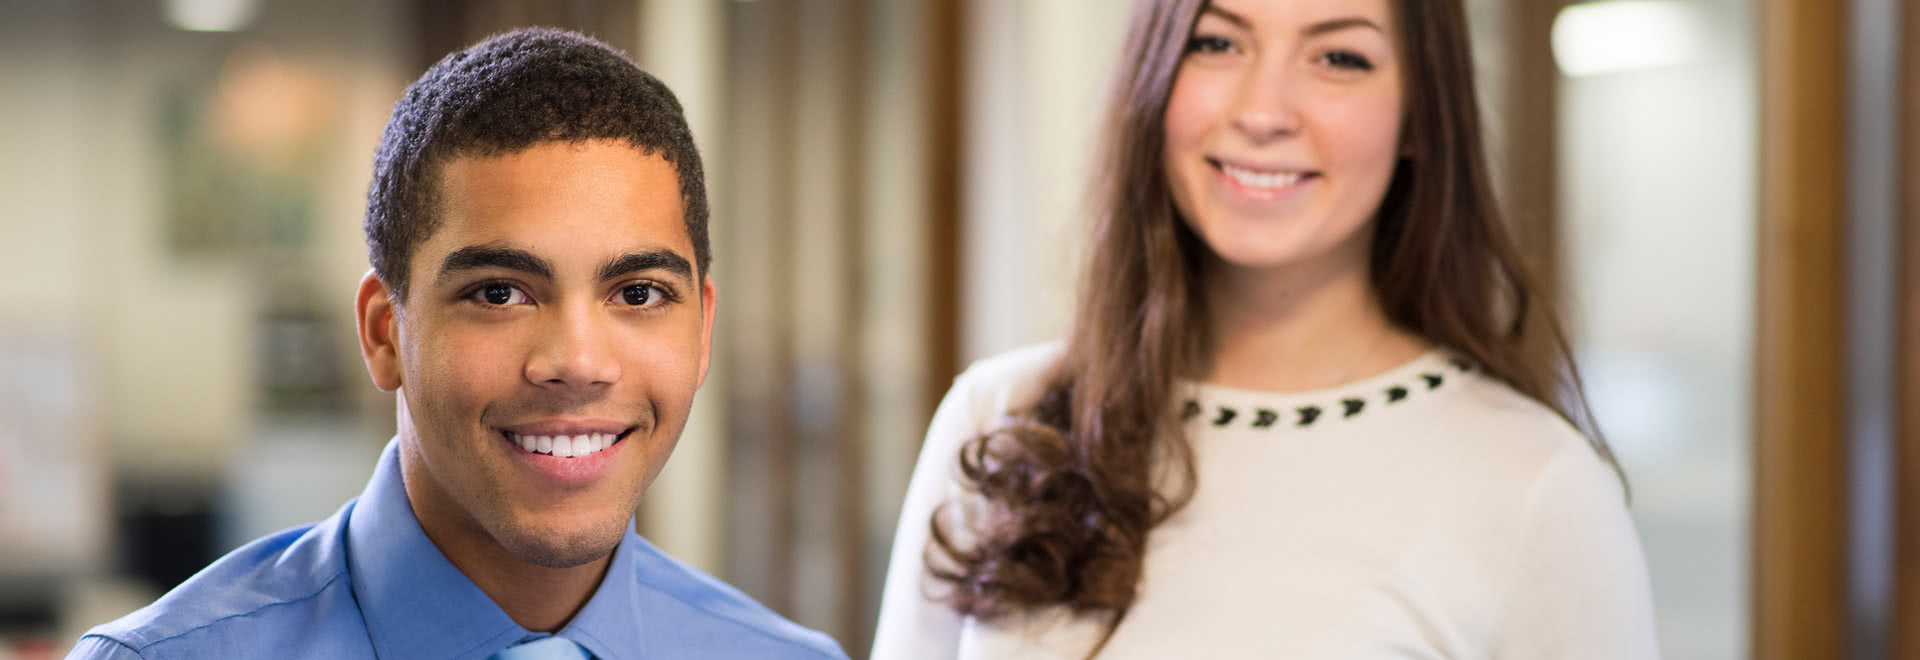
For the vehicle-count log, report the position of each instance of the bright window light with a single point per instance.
(1612, 36)
(211, 15)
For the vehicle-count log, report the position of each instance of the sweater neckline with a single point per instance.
(1222, 406)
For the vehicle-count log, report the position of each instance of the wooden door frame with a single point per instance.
(851, 429)
(944, 87)
(1531, 113)
(1800, 498)
(1906, 638)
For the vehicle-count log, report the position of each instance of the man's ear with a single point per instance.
(706, 327)
(379, 332)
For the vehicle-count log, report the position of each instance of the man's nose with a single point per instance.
(573, 350)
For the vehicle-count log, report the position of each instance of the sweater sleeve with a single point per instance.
(1578, 588)
(913, 624)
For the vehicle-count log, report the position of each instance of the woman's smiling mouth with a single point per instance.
(1261, 183)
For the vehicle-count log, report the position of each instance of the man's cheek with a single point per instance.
(668, 364)
(476, 352)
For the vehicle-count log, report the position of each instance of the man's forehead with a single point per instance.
(562, 201)
(550, 177)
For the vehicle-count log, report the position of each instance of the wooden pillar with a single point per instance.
(782, 439)
(1531, 114)
(1906, 611)
(1800, 487)
(945, 31)
(852, 434)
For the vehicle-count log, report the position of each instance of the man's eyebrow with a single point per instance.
(1339, 24)
(634, 262)
(493, 256)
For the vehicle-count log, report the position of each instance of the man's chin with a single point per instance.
(562, 548)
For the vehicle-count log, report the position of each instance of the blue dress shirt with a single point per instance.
(367, 583)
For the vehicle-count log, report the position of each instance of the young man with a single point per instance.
(540, 303)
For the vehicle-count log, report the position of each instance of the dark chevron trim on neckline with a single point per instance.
(1349, 404)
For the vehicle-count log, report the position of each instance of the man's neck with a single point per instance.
(539, 598)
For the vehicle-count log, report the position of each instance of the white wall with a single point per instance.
(1658, 170)
(1035, 91)
(680, 42)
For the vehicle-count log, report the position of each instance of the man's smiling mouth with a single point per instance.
(565, 446)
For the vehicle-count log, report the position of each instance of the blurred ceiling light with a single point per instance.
(1612, 36)
(211, 15)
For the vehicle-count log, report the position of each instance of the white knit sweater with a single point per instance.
(1427, 512)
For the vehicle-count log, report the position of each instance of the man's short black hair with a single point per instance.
(506, 94)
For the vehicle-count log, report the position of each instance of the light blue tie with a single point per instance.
(545, 648)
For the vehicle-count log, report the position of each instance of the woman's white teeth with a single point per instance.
(1253, 179)
(565, 446)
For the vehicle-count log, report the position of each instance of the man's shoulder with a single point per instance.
(278, 589)
(715, 612)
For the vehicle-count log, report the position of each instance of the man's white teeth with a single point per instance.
(1253, 179)
(565, 446)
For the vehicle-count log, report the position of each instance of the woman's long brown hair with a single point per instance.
(1075, 485)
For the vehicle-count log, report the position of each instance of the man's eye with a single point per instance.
(640, 295)
(501, 294)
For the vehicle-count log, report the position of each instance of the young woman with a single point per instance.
(1310, 407)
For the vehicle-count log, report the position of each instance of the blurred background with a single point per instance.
(1723, 193)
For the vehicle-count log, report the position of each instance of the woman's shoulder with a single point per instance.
(1020, 366)
(1487, 409)
(988, 390)
(1502, 437)
(1011, 379)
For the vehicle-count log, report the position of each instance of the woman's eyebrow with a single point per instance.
(1230, 17)
(1314, 30)
(1339, 24)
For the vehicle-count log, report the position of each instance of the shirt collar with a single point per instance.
(415, 603)
(418, 605)
(610, 625)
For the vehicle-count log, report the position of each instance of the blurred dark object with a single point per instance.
(27, 609)
(165, 532)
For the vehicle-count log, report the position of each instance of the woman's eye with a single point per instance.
(1347, 60)
(641, 295)
(1208, 45)
(501, 294)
